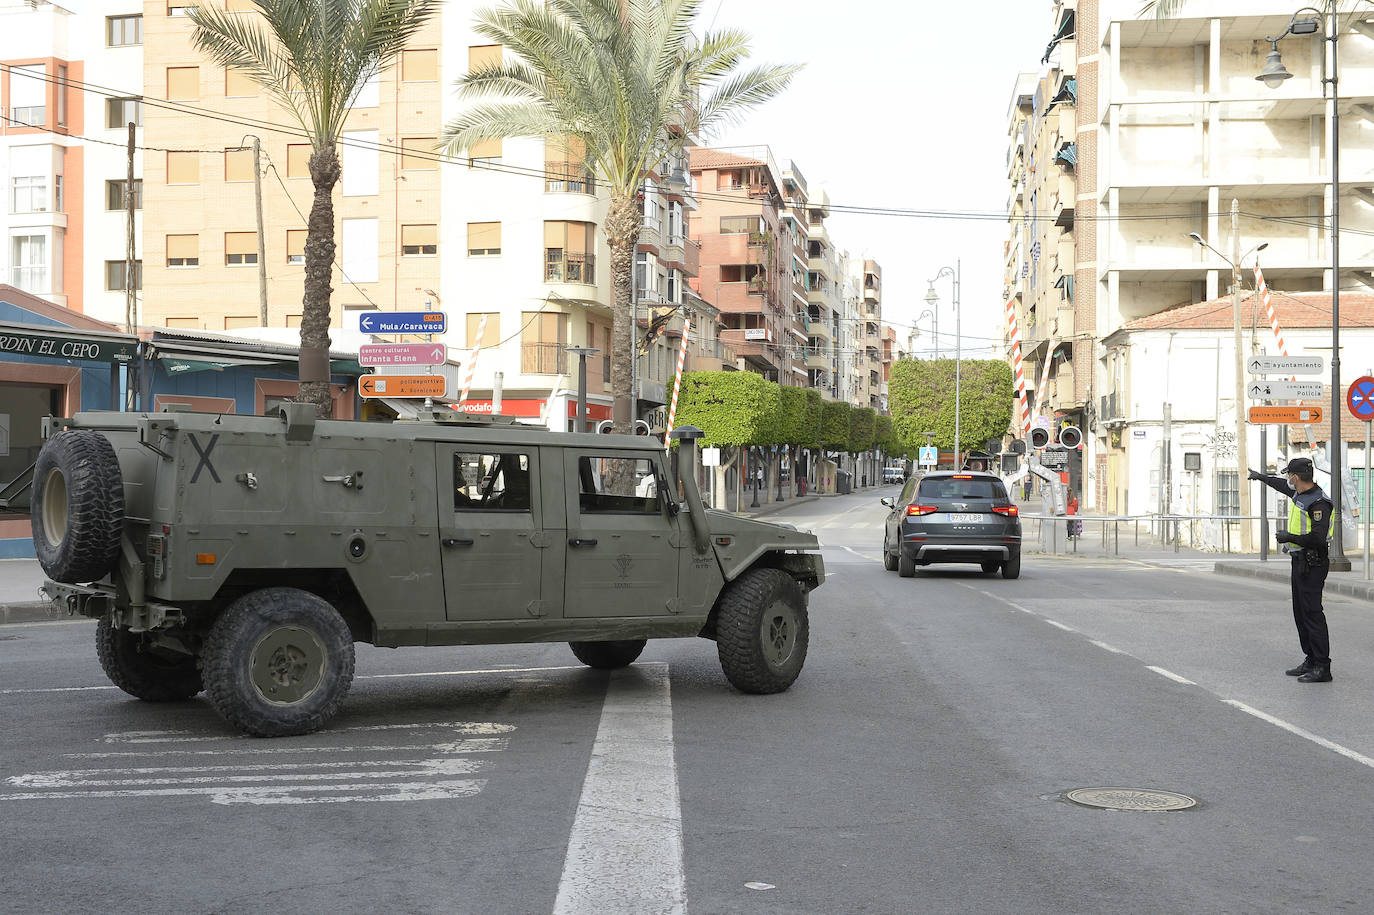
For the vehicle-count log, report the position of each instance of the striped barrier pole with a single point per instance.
(472, 361)
(1022, 408)
(677, 381)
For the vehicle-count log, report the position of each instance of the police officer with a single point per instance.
(1306, 539)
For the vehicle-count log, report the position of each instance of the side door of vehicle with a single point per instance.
(491, 533)
(623, 542)
(894, 518)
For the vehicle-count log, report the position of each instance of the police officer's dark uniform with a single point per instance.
(1306, 539)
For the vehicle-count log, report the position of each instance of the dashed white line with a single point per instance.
(1105, 647)
(1170, 675)
(1304, 734)
(1061, 626)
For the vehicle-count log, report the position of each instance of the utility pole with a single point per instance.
(1242, 456)
(262, 243)
(131, 277)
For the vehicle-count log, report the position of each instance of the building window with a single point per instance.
(606, 354)
(672, 287)
(238, 165)
(183, 168)
(233, 322)
(543, 342)
(565, 166)
(491, 334)
(123, 31)
(29, 194)
(298, 160)
(419, 240)
(1228, 492)
(184, 323)
(29, 255)
(569, 252)
(183, 83)
(239, 6)
(120, 111)
(183, 250)
(240, 248)
(61, 91)
(115, 198)
(178, 8)
(484, 239)
(482, 56)
(295, 246)
(28, 92)
(238, 84)
(417, 154)
(57, 193)
(484, 149)
(420, 65)
(117, 271)
(740, 225)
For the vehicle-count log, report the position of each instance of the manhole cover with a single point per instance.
(1146, 799)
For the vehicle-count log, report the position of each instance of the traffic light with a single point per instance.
(641, 427)
(1039, 438)
(604, 426)
(1070, 436)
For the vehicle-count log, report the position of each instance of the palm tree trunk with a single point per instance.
(622, 235)
(319, 265)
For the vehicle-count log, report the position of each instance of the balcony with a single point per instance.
(32, 279)
(560, 267)
(872, 296)
(817, 360)
(543, 358)
(819, 265)
(567, 178)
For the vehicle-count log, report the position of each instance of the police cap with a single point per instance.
(1299, 465)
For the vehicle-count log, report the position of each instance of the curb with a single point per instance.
(30, 612)
(778, 506)
(1361, 589)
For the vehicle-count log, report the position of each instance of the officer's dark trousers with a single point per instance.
(1308, 580)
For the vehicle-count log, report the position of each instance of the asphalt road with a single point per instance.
(917, 765)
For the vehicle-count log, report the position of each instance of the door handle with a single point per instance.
(457, 541)
(582, 541)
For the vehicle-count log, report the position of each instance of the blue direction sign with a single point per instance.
(1360, 399)
(402, 322)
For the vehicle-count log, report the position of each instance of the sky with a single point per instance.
(902, 103)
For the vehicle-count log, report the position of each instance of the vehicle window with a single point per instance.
(616, 484)
(484, 481)
(955, 488)
(909, 489)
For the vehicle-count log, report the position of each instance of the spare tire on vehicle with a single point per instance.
(77, 506)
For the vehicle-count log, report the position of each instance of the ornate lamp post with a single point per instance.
(933, 299)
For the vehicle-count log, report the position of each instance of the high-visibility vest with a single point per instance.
(1300, 521)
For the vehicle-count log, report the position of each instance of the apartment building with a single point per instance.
(824, 307)
(867, 355)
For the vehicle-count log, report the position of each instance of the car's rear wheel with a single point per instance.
(889, 558)
(608, 655)
(762, 631)
(278, 662)
(142, 669)
(1012, 567)
(906, 564)
(991, 566)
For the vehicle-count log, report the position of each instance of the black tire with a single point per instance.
(762, 631)
(608, 655)
(906, 564)
(278, 662)
(143, 670)
(889, 559)
(1012, 567)
(77, 506)
(991, 566)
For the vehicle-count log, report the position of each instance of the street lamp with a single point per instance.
(933, 299)
(916, 330)
(1273, 75)
(1242, 444)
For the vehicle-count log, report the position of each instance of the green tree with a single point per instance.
(921, 397)
(834, 430)
(794, 416)
(882, 437)
(863, 426)
(815, 408)
(312, 57)
(730, 408)
(613, 77)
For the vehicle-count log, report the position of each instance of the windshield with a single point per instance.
(955, 488)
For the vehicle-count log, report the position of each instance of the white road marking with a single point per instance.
(1304, 734)
(1105, 647)
(1170, 675)
(470, 745)
(1060, 626)
(625, 849)
(76, 778)
(473, 728)
(292, 794)
(860, 555)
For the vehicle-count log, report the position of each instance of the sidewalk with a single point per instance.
(20, 601)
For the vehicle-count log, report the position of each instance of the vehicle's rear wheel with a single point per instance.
(1012, 567)
(608, 655)
(906, 564)
(142, 669)
(889, 559)
(992, 566)
(278, 662)
(77, 506)
(762, 631)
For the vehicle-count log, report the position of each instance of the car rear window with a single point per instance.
(955, 488)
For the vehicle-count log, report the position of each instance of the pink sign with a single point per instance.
(402, 354)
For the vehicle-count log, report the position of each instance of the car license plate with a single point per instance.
(964, 519)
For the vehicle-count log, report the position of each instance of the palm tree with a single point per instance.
(313, 57)
(611, 77)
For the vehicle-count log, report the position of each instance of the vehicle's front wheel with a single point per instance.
(1012, 567)
(278, 662)
(906, 564)
(762, 631)
(608, 655)
(889, 559)
(143, 670)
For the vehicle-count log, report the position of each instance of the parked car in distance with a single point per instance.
(943, 517)
(893, 475)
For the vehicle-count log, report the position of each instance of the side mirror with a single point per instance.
(888, 501)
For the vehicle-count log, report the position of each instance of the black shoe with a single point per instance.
(1320, 673)
(1301, 669)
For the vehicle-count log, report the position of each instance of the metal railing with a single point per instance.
(1164, 531)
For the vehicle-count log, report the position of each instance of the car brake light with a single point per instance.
(962, 476)
(1006, 510)
(920, 509)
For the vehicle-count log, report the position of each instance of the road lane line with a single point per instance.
(1170, 675)
(1060, 626)
(860, 555)
(1304, 734)
(625, 849)
(1105, 647)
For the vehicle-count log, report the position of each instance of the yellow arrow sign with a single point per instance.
(1298, 414)
(401, 385)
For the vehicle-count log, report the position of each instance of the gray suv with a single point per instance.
(948, 516)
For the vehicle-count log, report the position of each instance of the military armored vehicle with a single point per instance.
(245, 555)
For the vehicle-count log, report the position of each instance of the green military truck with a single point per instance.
(245, 555)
